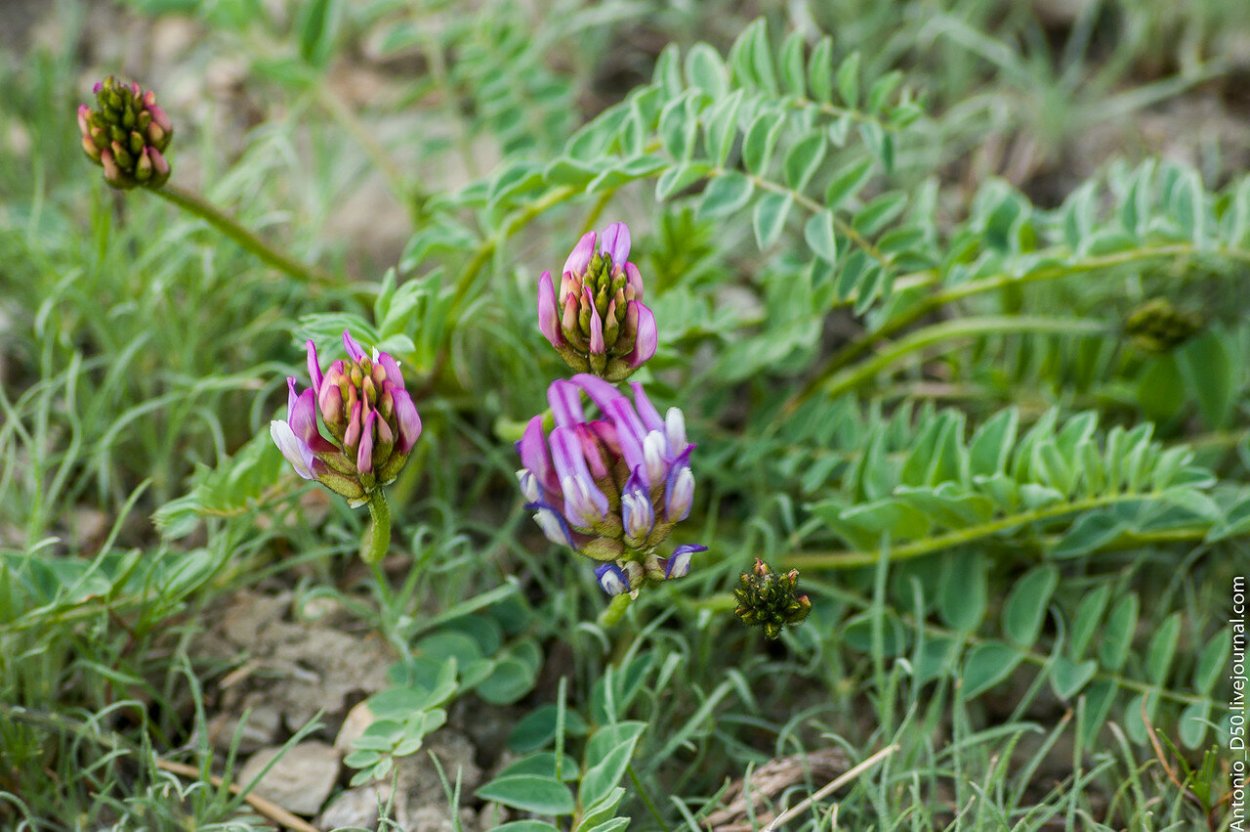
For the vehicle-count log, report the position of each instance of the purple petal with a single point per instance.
(629, 432)
(575, 479)
(579, 257)
(566, 403)
(409, 421)
(314, 367)
(591, 450)
(548, 320)
(600, 391)
(391, 366)
(296, 452)
(532, 448)
(356, 351)
(364, 454)
(612, 578)
(650, 416)
(302, 416)
(648, 338)
(616, 243)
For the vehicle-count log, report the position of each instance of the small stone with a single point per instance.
(354, 724)
(357, 808)
(260, 730)
(300, 780)
(248, 614)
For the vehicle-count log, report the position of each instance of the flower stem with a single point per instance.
(223, 222)
(377, 539)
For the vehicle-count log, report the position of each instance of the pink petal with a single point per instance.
(314, 366)
(579, 257)
(548, 322)
(408, 419)
(648, 338)
(391, 366)
(616, 243)
(356, 351)
(364, 454)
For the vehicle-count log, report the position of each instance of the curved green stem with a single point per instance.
(377, 538)
(196, 204)
(959, 537)
(962, 328)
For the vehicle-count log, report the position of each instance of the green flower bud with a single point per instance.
(769, 600)
(1158, 327)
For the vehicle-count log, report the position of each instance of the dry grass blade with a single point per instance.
(833, 786)
(747, 797)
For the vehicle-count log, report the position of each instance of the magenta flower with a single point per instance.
(612, 487)
(366, 410)
(597, 321)
(127, 135)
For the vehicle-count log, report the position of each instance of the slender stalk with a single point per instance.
(645, 797)
(196, 204)
(377, 539)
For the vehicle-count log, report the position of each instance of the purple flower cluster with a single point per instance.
(366, 409)
(598, 322)
(612, 487)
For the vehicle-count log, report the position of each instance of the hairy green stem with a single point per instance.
(205, 210)
(377, 539)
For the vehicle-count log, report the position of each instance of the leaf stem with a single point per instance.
(194, 203)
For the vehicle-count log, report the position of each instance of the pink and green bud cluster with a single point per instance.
(613, 487)
(127, 134)
(370, 416)
(597, 320)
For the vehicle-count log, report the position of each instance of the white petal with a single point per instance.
(528, 483)
(653, 447)
(551, 526)
(675, 431)
(296, 452)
